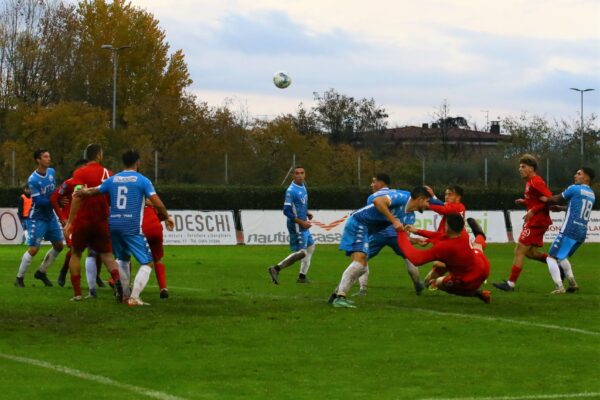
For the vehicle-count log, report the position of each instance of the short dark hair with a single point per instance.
(455, 222)
(130, 157)
(38, 153)
(385, 178)
(92, 151)
(456, 189)
(589, 172)
(530, 160)
(297, 166)
(420, 191)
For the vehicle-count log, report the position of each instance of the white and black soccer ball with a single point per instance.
(282, 80)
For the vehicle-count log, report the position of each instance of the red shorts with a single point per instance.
(468, 283)
(533, 235)
(92, 234)
(155, 241)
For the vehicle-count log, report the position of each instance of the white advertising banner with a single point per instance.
(593, 235)
(11, 231)
(201, 228)
(492, 223)
(268, 227)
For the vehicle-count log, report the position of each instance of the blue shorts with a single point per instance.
(355, 237)
(378, 241)
(126, 245)
(39, 229)
(563, 247)
(299, 239)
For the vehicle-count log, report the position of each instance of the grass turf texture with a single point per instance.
(228, 333)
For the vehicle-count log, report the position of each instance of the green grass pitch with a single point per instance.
(228, 333)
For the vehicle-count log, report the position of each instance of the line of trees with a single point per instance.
(56, 92)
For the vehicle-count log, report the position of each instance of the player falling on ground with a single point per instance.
(43, 223)
(302, 245)
(536, 221)
(466, 264)
(88, 226)
(127, 191)
(387, 238)
(573, 232)
(372, 218)
(452, 205)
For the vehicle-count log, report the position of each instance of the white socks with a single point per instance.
(141, 279)
(363, 280)
(25, 263)
(554, 271)
(413, 271)
(91, 271)
(292, 258)
(305, 264)
(350, 275)
(566, 266)
(125, 275)
(48, 259)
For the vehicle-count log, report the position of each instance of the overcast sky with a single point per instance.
(494, 57)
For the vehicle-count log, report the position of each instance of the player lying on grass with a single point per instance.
(466, 264)
(573, 232)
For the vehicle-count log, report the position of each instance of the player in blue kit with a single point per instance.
(388, 237)
(43, 223)
(302, 245)
(572, 234)
(127, 191)
(383, 212)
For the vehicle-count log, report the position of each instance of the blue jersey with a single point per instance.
(296, 203)
(581, 200)
(407, 218)
(42, 187)
(127, 190)
(376, 221)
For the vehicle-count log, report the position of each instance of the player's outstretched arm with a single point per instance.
(161, 210)
(556, 199)
(417, 257)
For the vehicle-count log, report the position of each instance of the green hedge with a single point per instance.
(251, 197)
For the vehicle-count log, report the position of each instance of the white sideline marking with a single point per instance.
(90, 377)
(531, 397)
(421, 310)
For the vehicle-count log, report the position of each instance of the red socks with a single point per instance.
(76, 282)
(479, 239)
(161, 277)
(115, 274)
(514, 273)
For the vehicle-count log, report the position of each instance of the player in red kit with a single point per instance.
(466, 264)
(153, 230)
(536, 221)
(88, 223)
(452, 205)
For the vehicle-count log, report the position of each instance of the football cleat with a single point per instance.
(504, 286)
(332, 298)
(559, 290)
(361, 292)
(42, 277)
(475, 227)
(111, 283)
(274, 275)
(485, 296)
(76, 298)
(62, 278)
(164, 293)
(419, 287)
(100, 282)
(135, 302)
(342, 302)
(20, 282)
(92, 294)
(302, 280)
(118, 291)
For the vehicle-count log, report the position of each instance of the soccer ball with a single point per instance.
(282, 80)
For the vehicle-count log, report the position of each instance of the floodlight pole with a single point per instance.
(115, 60)
(582, 91)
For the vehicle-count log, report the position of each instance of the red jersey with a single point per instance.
(151, 222)
(534, 189)
(61, 199)
(447, 208)
(93, 208)
(456, 253)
